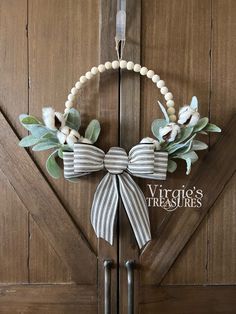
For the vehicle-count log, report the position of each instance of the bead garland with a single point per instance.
(130, 66)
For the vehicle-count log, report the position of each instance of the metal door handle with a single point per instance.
(130, 281)
(107, 286)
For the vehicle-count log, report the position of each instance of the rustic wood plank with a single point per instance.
(13, 235)
(14, 72)
(222, 220)
(169, 47)
(108, 113)
(64, 44)
(129, 104)
(188, 299)
(160, 254)
(45, 208)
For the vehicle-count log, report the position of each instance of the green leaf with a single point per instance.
(176, 147)
(190, 158)
(52, 166)
(198, 145)
(172, 166)
(60, 153)
(184, 134)
(44, 146)
(38, 130)
(28, 141)
(164, 112)
(30, 120)
(201, 124)
(156, 125)
(49, 135)
(212, 128)
(73, 120)
(194, 103)
(93, 130)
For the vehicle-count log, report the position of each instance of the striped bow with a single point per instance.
(142, 161)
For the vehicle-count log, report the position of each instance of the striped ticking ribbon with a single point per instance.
(142, 161)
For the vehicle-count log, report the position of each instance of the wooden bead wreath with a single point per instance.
(149, 159)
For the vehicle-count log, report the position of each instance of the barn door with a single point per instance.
(189, 267)
(50, 259)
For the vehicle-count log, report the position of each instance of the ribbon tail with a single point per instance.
(136, 208)
(104, 208)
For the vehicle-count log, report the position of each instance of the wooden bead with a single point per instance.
(74, 91)
(108, 65)
(83, 79)
(115, 64)
(164, 90)
(170, 103)
(173, 118)
(150, 74)
(94, 70)
(168, 96)
(137, 67)
(69, 104)
(123, 64)
(160, 84)
(89, 75)
(155, 78)
(171, 111)
(101, 68)
(130, 65)
(71, 97)
(78, 85)
(143, 71)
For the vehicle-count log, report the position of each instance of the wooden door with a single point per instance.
(50, 258)
(189, 266)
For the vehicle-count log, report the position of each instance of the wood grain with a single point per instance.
(160, 254)
(13, 101)
(44, 207)
(170, 47)
(222, 220)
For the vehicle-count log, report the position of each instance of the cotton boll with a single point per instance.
(84, 140)
(169, 132)
(49, 117)
(71, 140)
(61, 137)
(188, 116)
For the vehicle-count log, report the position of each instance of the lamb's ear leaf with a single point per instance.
(184, 134)
(201, 124)
(156, 125)
(164, 112)
(52, 166)
(73, 120)
(93, 130)
(28, 141)
(190, 158)
(199, 145)
(172, 166)
(26, 119)
(210, 127)
(194, 103)
(44, 146)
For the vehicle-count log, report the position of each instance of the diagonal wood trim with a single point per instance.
(188, 299)
(214, 173)
(42, 203)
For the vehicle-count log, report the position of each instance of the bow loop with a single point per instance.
(87, 158)
(141, 159)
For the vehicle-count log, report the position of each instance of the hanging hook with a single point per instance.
(120, 28)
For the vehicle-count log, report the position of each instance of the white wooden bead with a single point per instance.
(171, 110)
(137, 67)
(170, 103)
(69, 104)
(150, 74)
(71, 97)
(115, 64)
(160, 84)
(168, 96)
(164, 90)
(155, 78)
(130, 65)
(74, 91)
(101, 68)
(108, 65)
(78, 85)
(143, 71)
(89, 75)
(83, 79)
(173, 118)
(123, 64)
(94, 70)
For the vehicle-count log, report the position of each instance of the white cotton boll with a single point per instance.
(71, 140)
(65, 130)
(188, 116)
(75, 133)
(60, 121)
(84, 140)
(169, 132)
(49, 117)
(61, 137)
